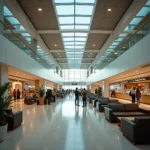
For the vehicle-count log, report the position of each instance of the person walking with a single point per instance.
(18, 94)
(132, 94)
(96, 91)
(138, 95)
(77, 97)
(53, 94)
(14, 94)
(49, 96)
(84, 94)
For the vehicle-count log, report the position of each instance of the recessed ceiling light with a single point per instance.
(109, 9)
(90, 53)
(124, 47)
(116, 53)
(93, 44)
(39, 9)
(55, 45)
(58, 53)
(89, 56)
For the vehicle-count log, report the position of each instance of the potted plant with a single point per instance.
(41, 96)
(4, 104)
(100, 92)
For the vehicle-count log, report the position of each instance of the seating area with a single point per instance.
(28, 100)
(14, 119)
(133, 122)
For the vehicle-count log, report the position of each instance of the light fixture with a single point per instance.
(89, 56)
(124, 47)
(109, 9)
(115, 53)
(93, 44)
(59, 56)
(90, 53)
(39, 9)
(55, 45)
(58, 53)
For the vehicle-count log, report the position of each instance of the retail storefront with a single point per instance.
(123, 88)
(21, 85)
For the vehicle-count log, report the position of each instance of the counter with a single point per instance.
(144, 99)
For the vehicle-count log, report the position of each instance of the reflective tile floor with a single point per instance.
(62, 126)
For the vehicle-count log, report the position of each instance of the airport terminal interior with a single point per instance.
(74, 74)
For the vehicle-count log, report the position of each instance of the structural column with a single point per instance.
(1, 14)
(105, 87)
(34, 46)
(3, 75)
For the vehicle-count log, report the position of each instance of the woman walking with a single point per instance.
(14, 94)
(138, 95)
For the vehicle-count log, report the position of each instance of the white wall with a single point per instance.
(11, 55)
(137, 55)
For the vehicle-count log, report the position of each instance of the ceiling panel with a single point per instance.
(87, 54)
(96, 41)
(104, 19)
(61, 60)
(89, 60)
(45, 19)
(52, 39)
(59, 55)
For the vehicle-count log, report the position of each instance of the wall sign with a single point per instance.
(74, 83)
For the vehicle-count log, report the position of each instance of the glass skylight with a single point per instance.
(85, 1)
(82, 20)
(85, 27)
(68, 39)
(64, 27)
(64, 1)
(81, 34)
(67, 34)
(66, 20)
(74, 15)
(83, 10)
(65, 9)
(68, 43)
(80, 39)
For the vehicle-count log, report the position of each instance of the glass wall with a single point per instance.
(74, 75)
(73, 87)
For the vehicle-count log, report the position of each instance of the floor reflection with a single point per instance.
(64, 126)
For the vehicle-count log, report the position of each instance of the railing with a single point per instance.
(136, 37)
(21, 43)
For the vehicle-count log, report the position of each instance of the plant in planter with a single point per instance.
(5, 102)
(41, 94)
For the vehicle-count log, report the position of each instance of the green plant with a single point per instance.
(41, 92)
(5, 102)
(100, 92)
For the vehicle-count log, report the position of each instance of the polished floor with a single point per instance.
(62, 126)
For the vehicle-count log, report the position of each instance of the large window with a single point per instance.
(72, 75)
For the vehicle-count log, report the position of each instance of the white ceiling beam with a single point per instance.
(68, 31)
(81, 63)
(18, 13)
(63, 51)
(64, 58)
(125, 20)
